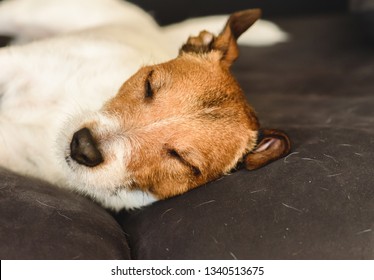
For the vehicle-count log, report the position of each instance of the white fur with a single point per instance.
(49, 88)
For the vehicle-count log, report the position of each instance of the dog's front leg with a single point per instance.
(26, 135)
(29, 84)
(6, 71)
(27, 149)
(15, 83)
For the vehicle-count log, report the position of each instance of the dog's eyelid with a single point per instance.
(148, 86)
(175, 154)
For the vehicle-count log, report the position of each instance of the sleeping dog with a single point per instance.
(96, 103)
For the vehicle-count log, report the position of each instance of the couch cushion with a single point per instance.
(317, 203)
(40, 221)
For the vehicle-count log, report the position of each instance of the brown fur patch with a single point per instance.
(197, 110)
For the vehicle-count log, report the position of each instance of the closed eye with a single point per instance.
(174, 154)
(148, 86)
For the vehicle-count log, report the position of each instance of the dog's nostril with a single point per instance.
(83, 149)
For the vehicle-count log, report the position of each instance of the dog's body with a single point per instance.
(171, 126)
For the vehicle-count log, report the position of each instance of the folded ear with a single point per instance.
(272, 145)
(225, 42)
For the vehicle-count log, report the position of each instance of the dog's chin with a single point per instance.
(127, 199)
(106, 186)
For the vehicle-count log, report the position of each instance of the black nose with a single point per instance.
(83, 149)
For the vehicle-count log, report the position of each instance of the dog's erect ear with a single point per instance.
(236, 25)
(272, 145)
(225, 42)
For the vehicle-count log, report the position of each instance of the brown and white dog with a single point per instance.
(171, 127)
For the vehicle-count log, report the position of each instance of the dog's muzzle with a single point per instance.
(83, 149)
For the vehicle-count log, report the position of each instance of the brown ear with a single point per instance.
(236, 25)
(272, 145)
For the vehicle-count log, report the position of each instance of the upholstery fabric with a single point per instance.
(40, 221)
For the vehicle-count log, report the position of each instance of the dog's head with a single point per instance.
(173, 126)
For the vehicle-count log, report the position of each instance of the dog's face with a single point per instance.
(186, 122)
(174, 126)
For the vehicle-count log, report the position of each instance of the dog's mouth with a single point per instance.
(68, 161)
